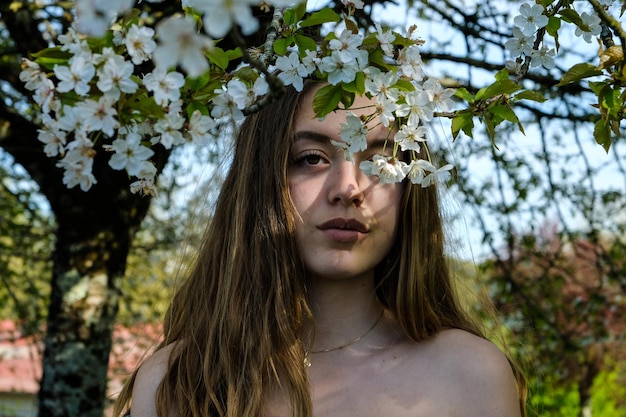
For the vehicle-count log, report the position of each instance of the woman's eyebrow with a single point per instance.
(376, 144)
(312, 135)
(380, 143)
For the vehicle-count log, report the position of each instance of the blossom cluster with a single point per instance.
(533, 17)
(98, 98)
(407, 110)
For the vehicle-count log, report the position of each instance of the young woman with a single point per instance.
(320, 291)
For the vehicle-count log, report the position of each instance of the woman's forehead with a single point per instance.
(362, 107)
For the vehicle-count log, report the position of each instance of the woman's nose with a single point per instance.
(345, 184)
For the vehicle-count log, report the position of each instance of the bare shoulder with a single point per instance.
(148, 378)
(477, 372)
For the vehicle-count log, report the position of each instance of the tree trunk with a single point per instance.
(87, 268)
(93, 237)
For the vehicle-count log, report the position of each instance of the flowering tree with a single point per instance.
(117, 86)
(561, 303)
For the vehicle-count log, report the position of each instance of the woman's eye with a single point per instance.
(312, 159)
(309, 159)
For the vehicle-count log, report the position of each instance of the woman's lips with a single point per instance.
(343, 230)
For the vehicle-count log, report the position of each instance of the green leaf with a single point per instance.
(506, 113)
(377, 57)
(578, 72)
(503, 74)
(491, 128)
(404, 85)
(571, 16)
(281, 45)
(247, 74)
(305, 43)
(530, 95)
(597, 87)
(347, 98)
(327, 99)
(611, 100)
(218, 57)
(502, 86)
(553, 26)
(193, 106)
(462, 121)
(292, 15)
(323, 16)
(197, 83)
(357, 86)
(602, 133)
(234, 54)
(50, 57)
(463, 94)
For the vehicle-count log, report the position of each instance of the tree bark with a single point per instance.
(93, 236)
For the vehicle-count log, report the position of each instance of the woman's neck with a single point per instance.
(344, 310)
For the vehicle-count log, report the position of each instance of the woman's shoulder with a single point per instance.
(149, 376)
(476, 371)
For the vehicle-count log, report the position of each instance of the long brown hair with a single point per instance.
(237, 320)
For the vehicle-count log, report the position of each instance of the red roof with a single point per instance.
(20, 356)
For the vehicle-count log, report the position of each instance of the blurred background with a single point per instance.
(536, 223)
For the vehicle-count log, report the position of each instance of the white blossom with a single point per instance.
(98, 115)
(140, 43)
(181, 44)
(386, 39)
(544, 57)
(129, 153)
(385, 108)
(417, 107)
(438, 175)
(52, 137)
(409, 137)
(353, 133)
(310, 61)
(260, 88)
(144, 186)
(77, 164)
(72, 42)
(225, 106)
(199, 128)
(411, 65)
(31, 74)
(380, 84)
(389, 170)
(240, 93)
(164, 85)
(531, 18)
(346, 44)
(44, 95)
(591, 21)
(169, 130)
(356, 4)
(76, 77)
(94, 17)
(439, 96)
(71, 119)
(520, 43)
(219, 16)
(291, 70)
(416, 170)
(114, 76)
(339, 70)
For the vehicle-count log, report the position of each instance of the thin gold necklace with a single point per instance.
(307, 362)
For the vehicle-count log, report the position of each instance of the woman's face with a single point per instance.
(346, 220)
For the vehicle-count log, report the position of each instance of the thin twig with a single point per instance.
(276, 86)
